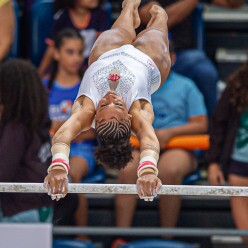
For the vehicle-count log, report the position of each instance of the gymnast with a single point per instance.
(115, 99)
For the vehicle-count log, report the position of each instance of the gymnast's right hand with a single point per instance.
(148, 186)
(56, 183)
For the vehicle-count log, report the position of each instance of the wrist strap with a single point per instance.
(150, 153)
(61, 155)
(151, 170)
(141, 165)
(50, 168)
(60, 148)
(60, 159)
(146, 167)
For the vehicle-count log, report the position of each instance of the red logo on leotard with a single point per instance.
(114, 77)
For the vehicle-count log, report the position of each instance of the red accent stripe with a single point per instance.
(60, 160)
(146, 163)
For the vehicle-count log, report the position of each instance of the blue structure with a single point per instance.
(192, 178)
(14, 51)
(156, 243)
(98, 176)
(41, 24)
(198, 27)
(72, 244)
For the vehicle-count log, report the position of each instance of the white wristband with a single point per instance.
(148, 166)
(61, 155)
(60, 148)
(57, 164)
(148, 158)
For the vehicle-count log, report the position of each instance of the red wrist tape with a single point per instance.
(59, 160)
(145, 163)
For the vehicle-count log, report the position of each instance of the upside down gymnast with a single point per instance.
(115, 99)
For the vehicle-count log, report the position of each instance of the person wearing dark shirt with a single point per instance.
(24, 141)
(229, 143)
(86, 17)
(190, 62)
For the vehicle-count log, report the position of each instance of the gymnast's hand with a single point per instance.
(56, 183)
(148, 186)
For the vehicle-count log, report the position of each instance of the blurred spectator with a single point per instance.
(63, 86)
(24, 141)
(229, 142)
(191, 62)
(179, 110)
(85, 16)
(227, 3)
(7, 20)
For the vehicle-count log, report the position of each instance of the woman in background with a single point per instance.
(24, 141)
(229, 142)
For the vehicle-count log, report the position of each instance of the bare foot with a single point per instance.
(134, 4)
(154, 11)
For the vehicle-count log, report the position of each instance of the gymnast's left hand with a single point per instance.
(148, 186)
(56, 183)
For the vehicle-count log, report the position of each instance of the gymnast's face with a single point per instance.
(110, 107)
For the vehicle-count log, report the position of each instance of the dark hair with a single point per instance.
(238, 85)
(22, 94)
(115, 149)
(67, 33)
(66, 4)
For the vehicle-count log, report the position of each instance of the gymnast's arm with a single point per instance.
(148, 183)
(82, 116)
(142, 119)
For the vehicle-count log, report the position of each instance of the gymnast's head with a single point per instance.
(113, 130)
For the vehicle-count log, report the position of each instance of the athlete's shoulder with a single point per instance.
(142, 109)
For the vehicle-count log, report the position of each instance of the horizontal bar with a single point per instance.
(129, 189)
(143, 231)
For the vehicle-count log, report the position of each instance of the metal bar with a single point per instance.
(143, 231)
(129, 189)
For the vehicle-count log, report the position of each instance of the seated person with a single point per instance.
(82, 15)
(179, 110)
(24, 141)
(226, 3)
(229, 143)
(115, 98)
(63, 86)
(7, 30)
(191, 62)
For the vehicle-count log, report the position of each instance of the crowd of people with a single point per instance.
(37, 102)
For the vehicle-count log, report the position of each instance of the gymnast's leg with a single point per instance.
(153, 41)
(121, 33)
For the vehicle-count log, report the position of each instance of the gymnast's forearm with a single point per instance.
(149, 155)
(150, 142)
(62, 140)
(68, 131)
